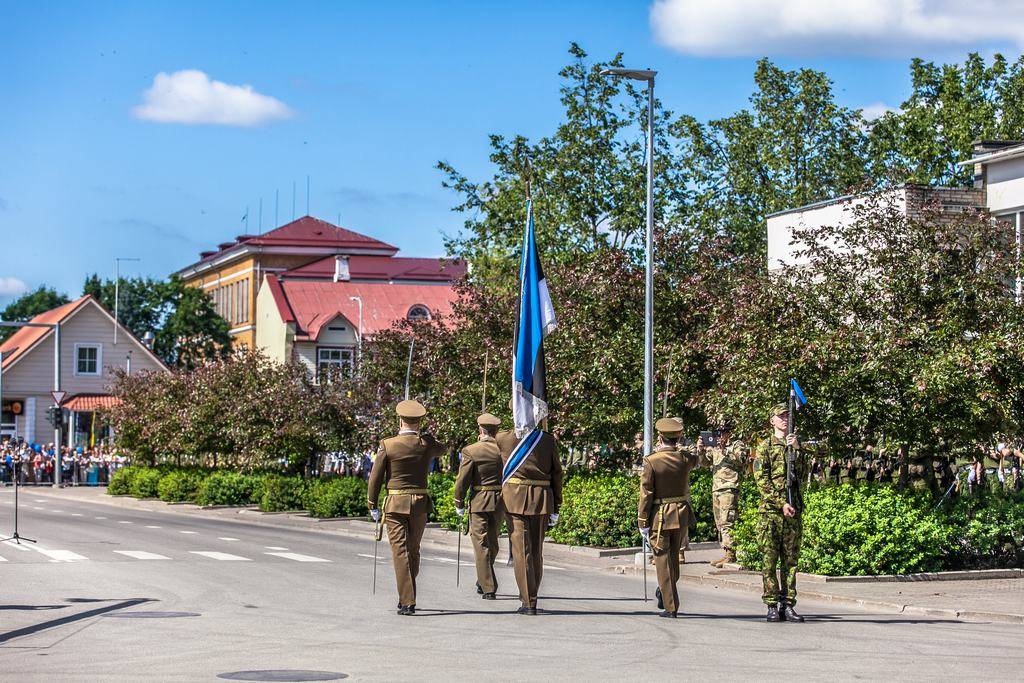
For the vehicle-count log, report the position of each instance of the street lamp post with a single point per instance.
(359, 337)
(117, 288)
(648, 77)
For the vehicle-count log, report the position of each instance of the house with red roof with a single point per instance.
(320, 313)
(89, 352)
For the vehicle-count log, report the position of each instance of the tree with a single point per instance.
(29, 306)
(950, 107)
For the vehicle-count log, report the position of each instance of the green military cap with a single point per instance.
(778, 409)
(410, 410)
(488, 420)
(669, 426)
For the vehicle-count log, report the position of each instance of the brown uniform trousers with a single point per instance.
(481, 469)
(664, 507)
(530, 497)
(403, 463)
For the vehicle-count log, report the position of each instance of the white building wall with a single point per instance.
(1005, 185)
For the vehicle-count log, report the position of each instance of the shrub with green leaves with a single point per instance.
(146, 482)
(598, 509)
(337, 497)
(121, 481)
(282, 493)
(179, 486)
(442, 495)
(228, 488)
(990, 531)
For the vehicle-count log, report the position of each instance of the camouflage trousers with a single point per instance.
(725, 505)
(780, 544)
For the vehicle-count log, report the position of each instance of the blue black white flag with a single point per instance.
(797, 393)
(536, 319)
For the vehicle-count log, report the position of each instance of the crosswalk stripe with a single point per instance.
(274, 547)
(3, 559)
(60, 555)
(18, 546)
(226, 538)
(76, 514)
(141, 555)
(188, 532)
(153, 526)
(124, 521)
(224, 557)
(297, 557)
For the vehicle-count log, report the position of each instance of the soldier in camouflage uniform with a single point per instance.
(780, 526)
(917, 474)
(729, 463)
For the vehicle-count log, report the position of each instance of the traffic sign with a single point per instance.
(58, 396)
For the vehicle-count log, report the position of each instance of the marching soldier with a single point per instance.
(729, 462)
(664, 512)
(403, 462)
(532, 499)
(781, 509)
(481, 470)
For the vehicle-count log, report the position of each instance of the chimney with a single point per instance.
(341, 273)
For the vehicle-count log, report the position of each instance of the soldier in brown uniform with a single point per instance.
(481, 470)
(664, 512)
(532, 499)
(403, 463)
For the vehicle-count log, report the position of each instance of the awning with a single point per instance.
(86, 403)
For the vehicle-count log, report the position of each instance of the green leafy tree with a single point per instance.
(30, 305)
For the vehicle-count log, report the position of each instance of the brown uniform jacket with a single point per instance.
(666, 475)
(541, 465)
(403, 462)
(481, 466)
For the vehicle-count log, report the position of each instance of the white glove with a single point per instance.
(646, 533)
(460, 511)
(375, 514)
(553, 519)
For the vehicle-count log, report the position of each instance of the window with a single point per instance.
(88, 359)
(418, 312)
(332, 360)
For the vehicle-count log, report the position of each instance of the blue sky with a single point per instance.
(366, 98)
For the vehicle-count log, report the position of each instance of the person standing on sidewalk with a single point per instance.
(729, 462)
(480, 470)
(403, 463)
(781, 509)
(663, 511)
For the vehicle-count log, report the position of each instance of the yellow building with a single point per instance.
(233, 273)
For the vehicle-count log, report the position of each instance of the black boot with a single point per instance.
(661, 602)
(667, 614)
(488, 596)
(531, 611)
(479, 590)
(782, 611)
(773, 613)
(789, 614)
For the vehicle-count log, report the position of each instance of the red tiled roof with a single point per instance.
(26, 337)
(89, 402)
(314, 304)
(304, 232)
(384, 268)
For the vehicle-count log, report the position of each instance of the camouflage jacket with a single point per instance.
(770, 475)
(728, 464)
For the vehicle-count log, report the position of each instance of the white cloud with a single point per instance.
(876, 110)
(192, 97)
(12, 286)
(835, 27)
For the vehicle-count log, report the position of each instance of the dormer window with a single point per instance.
(418, 312)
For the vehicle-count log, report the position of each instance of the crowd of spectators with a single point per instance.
(34, 464)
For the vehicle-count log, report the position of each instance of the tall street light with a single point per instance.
(359, 338)
(647, 76)
(117, 288)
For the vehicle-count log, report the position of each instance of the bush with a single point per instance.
(337, 497)
(121, 481)
(988, 532)
(599, 509)
(228, 488)
(180, 486)
(442, 495)
(145, 483)
(859, 530)
(282, 493)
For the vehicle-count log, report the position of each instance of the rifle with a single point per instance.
(790, 457)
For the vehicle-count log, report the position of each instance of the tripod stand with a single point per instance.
(16, 537)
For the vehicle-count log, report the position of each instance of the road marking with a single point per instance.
(101, 518)
(226, 538)
(224, 557)
(297, 557)
(37, 508)
(38, 501)
(153, 526)
(59, 512)
(19, 546)
(141, 555)
(274, 547)
(124, 521)
(76, 514)
(60, 555)
(3, 559)
(188, 532)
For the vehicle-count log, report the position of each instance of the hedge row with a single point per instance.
(848, 529)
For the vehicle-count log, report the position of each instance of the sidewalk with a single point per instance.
(982, 600)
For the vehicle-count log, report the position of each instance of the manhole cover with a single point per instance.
(283, 675)
(151, 615)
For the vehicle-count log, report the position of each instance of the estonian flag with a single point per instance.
(797, 394)
(535, 320)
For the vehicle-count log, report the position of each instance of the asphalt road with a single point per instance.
(271, 599)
